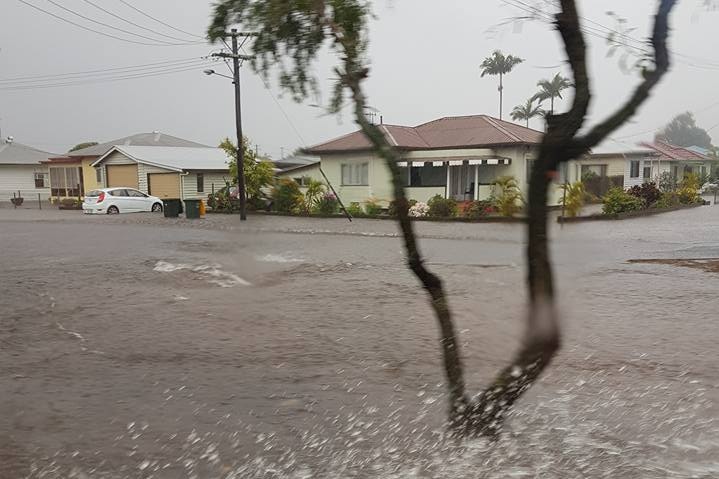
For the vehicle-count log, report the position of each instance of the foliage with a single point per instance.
(573, 198)
(355, 210)
(220, 200)
(527, 111)
(648, 193)
(328, 204)
(689, 189)
(80, 146)
(668, 199)
(312, 196)
(666, 182)
(506, 196)
(372, 207)
(258, 174)
(499, 64)
(287, 197)
(551, 89)
(479, 209)
(683, 131)
(392, 210)
(619, 201)
(441, 207)
(419, 210)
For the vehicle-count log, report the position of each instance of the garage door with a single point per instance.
(164, 185)
(122, 175)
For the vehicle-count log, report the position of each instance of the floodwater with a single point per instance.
(136, 346)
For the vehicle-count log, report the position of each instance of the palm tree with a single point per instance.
(499, 64)
(527, 111)
(549, 89)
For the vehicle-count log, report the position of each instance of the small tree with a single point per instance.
(258, 174)
(81, 146)
(527, 111)
(291, 35)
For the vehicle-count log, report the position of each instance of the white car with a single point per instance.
(709, 187)
(112, 201)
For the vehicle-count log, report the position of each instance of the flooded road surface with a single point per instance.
(136, 346)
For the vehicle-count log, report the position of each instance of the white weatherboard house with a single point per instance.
(21, 170)
(165, 172)
(455, 157)
(659, 158)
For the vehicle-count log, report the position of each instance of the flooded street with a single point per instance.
(137, 346)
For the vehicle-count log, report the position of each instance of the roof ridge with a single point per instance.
(493, 122)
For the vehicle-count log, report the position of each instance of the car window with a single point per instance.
(118, 192)
(136, 194)
(93, 193)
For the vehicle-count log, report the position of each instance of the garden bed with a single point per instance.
(455, 219)
(627, 215)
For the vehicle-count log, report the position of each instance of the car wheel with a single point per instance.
(157, 208)
(112, 210)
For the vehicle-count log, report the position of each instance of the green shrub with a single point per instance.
(669, 199)
(619, 201)
(648, 193)
(313, 193)
(328, 204)
(479, 209)
(372, 207)
(666, 182)
(287, 196)
(573, 198)
(441, 207)
(355, 210)
(506, 196)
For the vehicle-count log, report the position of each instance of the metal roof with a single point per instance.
(154, 138)
(475, 131)
(173, 157)
(12, 153)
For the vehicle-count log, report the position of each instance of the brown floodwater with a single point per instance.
(137, 346)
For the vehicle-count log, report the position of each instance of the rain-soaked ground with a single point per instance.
(136, 346)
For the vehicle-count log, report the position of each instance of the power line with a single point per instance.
(129, 22)
(166, 71)
(85, 17)
(158, 20)
(147, 66)
(84, 27)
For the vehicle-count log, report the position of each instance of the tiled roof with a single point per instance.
(476, 131)
(677, 153)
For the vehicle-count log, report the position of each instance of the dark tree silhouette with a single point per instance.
(290, 35)
(683, 131)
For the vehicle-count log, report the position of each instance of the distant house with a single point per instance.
(71, 174)
(661, 157)
(454, 157)
(21, 169)
(165, 172)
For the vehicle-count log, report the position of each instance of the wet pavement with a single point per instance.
(137, 346)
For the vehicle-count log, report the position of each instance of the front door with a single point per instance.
(462, 182)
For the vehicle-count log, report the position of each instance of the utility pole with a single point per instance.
(236, 57)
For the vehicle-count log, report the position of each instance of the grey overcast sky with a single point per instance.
(425, 64)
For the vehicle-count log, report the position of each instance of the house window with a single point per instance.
(634, 169)
(41, 180)
(594, 170)
(98, 175)
(200, 183)
(428, 175)
(65, 181)
(647, 173)
(355, 174)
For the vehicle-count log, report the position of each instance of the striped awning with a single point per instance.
(473, 161)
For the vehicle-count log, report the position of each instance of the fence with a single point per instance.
(25, 199)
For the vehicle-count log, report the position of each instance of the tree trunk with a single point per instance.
(501, 91)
